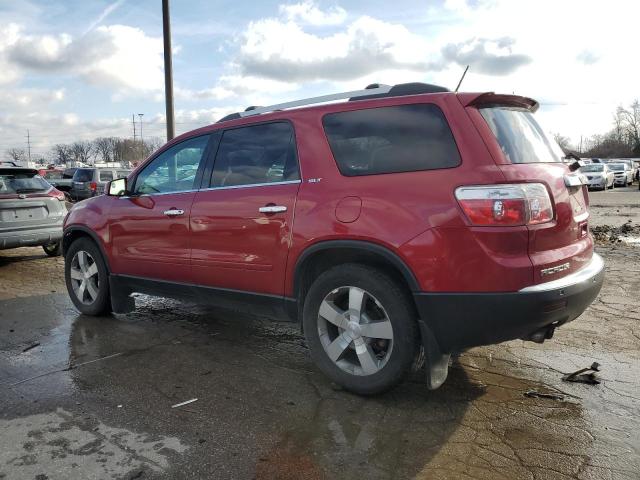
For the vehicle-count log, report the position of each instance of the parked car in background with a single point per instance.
(61, 179)
(90, 182)
(402, 216)
(623, 175)
(31, 211)
(599, 175)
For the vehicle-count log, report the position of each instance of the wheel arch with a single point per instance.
(324, 255)
(74, 232)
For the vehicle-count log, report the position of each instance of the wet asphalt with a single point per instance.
(91, 398)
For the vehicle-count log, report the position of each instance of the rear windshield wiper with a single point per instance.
(29, 190)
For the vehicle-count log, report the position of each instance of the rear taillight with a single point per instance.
(93, 186)
(57, 194)
(506, 205)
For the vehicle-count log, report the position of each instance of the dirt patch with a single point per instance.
(607, 235)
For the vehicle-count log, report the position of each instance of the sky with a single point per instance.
(78, 69)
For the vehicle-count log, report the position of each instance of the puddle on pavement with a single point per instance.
(479, 424)
(61, 445)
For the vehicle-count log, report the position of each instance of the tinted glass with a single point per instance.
(616, 167)
(14, 182)
(68, 173)
(106, 175)
(256, 154)
(519, 135)
(592, 168)
(53, 175)
(83, 175)
(123, 173)
(174, 170)
(403, 138)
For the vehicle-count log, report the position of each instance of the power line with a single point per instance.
(29, 145)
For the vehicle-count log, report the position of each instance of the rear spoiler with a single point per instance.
(490, 99)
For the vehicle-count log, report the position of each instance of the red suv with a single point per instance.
(406, 217)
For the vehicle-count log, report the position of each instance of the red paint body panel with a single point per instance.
(235, 246)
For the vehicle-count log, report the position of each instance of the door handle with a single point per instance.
(272, 209)
(173, 212)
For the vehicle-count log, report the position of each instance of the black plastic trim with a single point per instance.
(384, 252)
(464, 320)
(261, 304)
(92, 234)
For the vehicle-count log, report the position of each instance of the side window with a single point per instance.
(256, 154)
(122, 173)
(106, 175)
(174, 170)
(402, 138)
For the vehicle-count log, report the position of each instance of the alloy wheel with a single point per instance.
(85, 280)
(355, 331)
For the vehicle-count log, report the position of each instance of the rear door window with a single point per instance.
(106, 175)
(402, 138)
(519, 135)
(255, 155)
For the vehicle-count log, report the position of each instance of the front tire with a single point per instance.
(87, 279)
(360, 328)
(53, 249)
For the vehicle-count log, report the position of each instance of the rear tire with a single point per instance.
(360, 328)
(53, 249)
(87, 279)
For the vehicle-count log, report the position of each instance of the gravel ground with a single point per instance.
(84, 397)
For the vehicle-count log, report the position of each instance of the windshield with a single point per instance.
(616, 167)
(83, 175)
(519, 135)
(592, 168)
(27, 182)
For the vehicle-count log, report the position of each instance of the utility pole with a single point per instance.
(140, 117)
(29, 148)
(133, 122)
(168, 69)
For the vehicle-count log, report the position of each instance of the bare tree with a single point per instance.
(82, 151)
(61, 154)
(17, 155)
(564, 142)
(104, 147)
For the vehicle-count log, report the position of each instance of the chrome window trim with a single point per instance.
(157, 194)
(264, 184)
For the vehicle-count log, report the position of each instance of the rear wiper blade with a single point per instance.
(29, 190)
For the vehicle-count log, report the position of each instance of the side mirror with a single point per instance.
(117, 187)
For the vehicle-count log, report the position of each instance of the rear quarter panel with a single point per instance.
(414, 214)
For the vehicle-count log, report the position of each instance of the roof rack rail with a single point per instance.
(375, 90)
(378, 89)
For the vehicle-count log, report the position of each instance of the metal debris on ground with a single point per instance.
(581, 376)
(184, 403)
(30, 347)
(536, 394)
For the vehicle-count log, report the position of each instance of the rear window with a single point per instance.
(68, 173)
(519, 135)
(123, 173)
(83, 175)
(106, 175)
(53, 175)
(14, 182)
(402, 138)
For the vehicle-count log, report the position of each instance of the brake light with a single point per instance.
(93, 186)
(55, 193)
(506, 205)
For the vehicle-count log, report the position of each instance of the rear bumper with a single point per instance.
(464, 320)
(30, 238)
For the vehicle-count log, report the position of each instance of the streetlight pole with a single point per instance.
(168, 69)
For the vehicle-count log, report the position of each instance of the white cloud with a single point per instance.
(14, 99)
(307, 12)
(119, 57)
